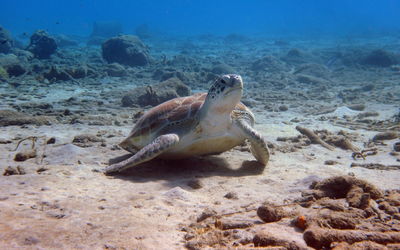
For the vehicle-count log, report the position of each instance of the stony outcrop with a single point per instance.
(42, 45)
(153, 95)
(126, 50)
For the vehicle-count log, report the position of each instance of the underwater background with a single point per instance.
(184, 17)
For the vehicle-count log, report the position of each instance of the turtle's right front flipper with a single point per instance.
(154, 149)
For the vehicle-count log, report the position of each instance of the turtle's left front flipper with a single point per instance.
(259, 146)
(154, 149)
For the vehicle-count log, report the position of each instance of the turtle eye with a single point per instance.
(223, 81)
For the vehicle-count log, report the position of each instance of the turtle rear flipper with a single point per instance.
(154, 149)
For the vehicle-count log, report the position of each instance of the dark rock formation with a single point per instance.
(127, 50)
(156, 94)
(12, 65)
(6, 43)
(379, 58)
(42, 45)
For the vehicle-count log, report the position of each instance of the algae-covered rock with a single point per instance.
(42, 45)
(156, 94)
(6, 42)
(379, 58)
(127, 50)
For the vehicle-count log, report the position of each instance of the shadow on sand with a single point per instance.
(178, 172)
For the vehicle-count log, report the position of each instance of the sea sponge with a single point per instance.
(3, 73)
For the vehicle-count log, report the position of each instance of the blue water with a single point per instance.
(188, 17)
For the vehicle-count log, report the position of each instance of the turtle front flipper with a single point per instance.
(154, 149)
(259, 146)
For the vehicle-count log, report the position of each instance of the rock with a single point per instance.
(222, 68)
(379, 58)
(206, 214)
(367, 87)
(195, 184)
(6, 42)
(42, 45)
(155, 94)
(12, 65)
(14, 171)
(267, 239)
(231, 195)
(116, 70)
(283, 108)
(396, 146)
(15, 69)
(269, 213)
(25, 155)
(86, 140)
(390, 135)
(10, 118)
(357, 107)
(178, 193)
(127, 50)
(51, 140)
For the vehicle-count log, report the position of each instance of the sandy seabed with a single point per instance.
(58, 198)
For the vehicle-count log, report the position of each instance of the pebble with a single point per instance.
(195, 184)
(270, 213)
(396, 146)
(25, 155)
(231, 195)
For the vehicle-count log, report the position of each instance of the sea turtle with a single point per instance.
(201, 124)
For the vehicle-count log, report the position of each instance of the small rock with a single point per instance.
(357, 107)
(227, 223)
(25, 155)
(42, 45)
(178, 193)
(330, 162)
(390, 135)
(52, 140)
(86, 140)
(231, 195)
(6, 42)
(155, 94)
(283, 108)
(14, 171)
(126, 50)
(379, 58)
(269, 213)
(30, 240)
(206, 214)
(396, 146)
(195, 184)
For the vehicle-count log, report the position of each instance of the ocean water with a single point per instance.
(184, 17)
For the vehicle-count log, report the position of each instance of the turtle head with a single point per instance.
(225, 93)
